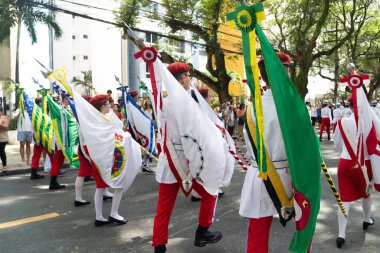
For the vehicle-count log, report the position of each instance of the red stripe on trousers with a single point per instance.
(258, 234)
(167, 194)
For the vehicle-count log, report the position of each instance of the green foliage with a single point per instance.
(14, 12)
(12, 124)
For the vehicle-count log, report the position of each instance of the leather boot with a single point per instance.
(54, 185)
(34, 175)
(203, 237)
(160, 249)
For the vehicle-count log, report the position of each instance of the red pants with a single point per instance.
(167, 194)
(37, 152)
(325, 123)
(258, 234)
(85, 168)
(56, 162)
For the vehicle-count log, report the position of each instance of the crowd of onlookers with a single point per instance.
(233, 117)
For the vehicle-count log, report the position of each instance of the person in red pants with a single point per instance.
(37, 151)
(169, 183)
(326, 120)
(101, 103)
(56, 163)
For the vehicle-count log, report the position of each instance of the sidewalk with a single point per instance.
(14, 163)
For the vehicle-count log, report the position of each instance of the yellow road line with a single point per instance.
(28, 220)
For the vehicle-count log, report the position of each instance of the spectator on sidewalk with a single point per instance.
(24, 135)
(4, 125)
(231, 121)
(240, 120)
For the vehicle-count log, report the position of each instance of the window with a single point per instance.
(85, 36)
(73, 37)
(151, 38)
(85, 57)
(74, 58)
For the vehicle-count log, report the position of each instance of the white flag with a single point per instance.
(116, 155)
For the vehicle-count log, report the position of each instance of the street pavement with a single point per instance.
(34, 219)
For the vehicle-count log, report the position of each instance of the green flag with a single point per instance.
(300, 144)
(65, 131)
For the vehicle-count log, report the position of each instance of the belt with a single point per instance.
(277, 164)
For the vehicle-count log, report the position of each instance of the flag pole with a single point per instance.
(333, 188)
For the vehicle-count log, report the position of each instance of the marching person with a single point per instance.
(37, 151)
(102, 104)
(351, 179)
(337, 114)
(256, 204)
(326, 120)
(169, 184)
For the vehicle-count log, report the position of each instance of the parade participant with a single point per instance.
(101, 103)
(169, 183)
(337, 114)
(256, 204)
(37, 151)
(85, 169)
(148, 111)
(346, 111)
(351, 179)
(326, 120)
(375, 109)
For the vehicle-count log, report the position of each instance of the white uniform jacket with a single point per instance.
(255, 201)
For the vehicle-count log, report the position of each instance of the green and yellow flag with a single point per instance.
(65, 131)
(298, 135)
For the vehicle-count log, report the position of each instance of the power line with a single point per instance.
(147, 11)
(58, 9)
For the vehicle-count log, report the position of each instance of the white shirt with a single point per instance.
(337, 115)
(24, 123)
(326, 113)
(255, 201)
(346, 112)
(350, 131)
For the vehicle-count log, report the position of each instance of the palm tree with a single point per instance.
(86, 83)
(29, 13)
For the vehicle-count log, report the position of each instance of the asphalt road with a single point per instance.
(58, 226)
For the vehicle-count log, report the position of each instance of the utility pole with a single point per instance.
(51, 49)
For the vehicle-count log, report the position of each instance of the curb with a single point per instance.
(27, 170)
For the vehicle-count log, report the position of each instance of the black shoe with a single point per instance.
(120, 222)
(328, 138)
(99, 223)
(88, 178)
(78, 203)
(367, 224)
(339, 242)
(54, 185)
(195, 199)
(220, 194)
(107, 197)
(320, 138)
(160, 249)
(146, 169)
(34, 175)
(204, 237)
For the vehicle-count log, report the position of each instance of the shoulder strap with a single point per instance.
(273, 183)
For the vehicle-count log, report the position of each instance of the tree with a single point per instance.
(203, 20)
(86, 83)
(302, 25)
(17, 12)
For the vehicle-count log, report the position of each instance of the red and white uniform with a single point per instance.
(169, 186)
(255, 202)
(351, 180)
(326, 120)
